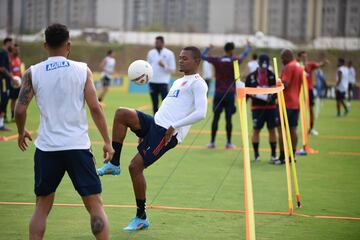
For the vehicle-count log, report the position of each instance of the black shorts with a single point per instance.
(50, 168)
(105, 80)
(152, 146)
(260, 116)
(339, 95)
(14, 93)
(227, 103)
(293, 117)
(311, 97)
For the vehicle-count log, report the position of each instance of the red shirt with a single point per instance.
(310, 68)
(292, 75)
(15, 66)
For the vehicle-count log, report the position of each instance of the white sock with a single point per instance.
(1, 122)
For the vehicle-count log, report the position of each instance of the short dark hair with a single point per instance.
(6, 40)
(229, 46)
(195, 52)
(110, 51)
(254, 56)
(300, 53)
(341, 61)
(161, 38)
(56, 35)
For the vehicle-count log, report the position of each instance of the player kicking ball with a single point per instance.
(185, 104)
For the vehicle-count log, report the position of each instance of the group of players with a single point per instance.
(10, 65)
(61, 86)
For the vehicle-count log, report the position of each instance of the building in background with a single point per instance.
(295, 20)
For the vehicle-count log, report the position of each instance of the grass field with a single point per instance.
(201, 178)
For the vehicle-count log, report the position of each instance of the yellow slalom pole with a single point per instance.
(303, 120)
(285, 142)
(249, 201)
(293, 165)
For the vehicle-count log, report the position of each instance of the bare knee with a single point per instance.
(97, 224)
(136, 167)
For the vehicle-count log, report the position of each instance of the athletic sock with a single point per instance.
(273, 149)
(116, 158)
(12, 115)
(256, 149)
(282, 155)
(140, 211)
(1, 122)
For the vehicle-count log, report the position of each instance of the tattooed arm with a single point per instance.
(25, 96)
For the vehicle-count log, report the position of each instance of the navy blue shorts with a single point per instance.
(14, 93)
(339, 95)
(293, 117)
(105, 81)
(50, 168)
(227, 103)
(152, 146)
(260, 116)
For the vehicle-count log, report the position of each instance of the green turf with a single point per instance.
(329, 185)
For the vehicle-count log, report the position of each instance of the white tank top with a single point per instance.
(109, 66)
(58, 85)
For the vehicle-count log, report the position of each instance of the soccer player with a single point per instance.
(224, 97)
(291, 76)
(5, 80)
(342, 84)
(16, 71)
(263, 106)
(352, 80)
(185, 105)
(61, 88)
(253, 63)
(310, 67)
(162, 61)
(108, 68)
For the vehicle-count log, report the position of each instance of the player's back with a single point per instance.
(58, 85)
(292, 75)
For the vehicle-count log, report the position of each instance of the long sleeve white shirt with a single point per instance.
(161, 74)
(185, 104)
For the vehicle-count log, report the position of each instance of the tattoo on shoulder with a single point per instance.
(26, 91)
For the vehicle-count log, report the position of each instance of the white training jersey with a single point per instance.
(109, 66)
(207, 70)
(352, 75)
(185, 104)
(344, 83)
(252, 66)
(161, 74)
(58, 85)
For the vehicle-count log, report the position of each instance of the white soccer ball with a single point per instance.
(140, 72)
(16, 82)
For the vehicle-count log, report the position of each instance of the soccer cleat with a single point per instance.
(137, 224)
(257, 158)
(211, 145)
(229, 146)
(4, 129)
(109, 169)
(273, 159)
(278, 161)
(314, 132)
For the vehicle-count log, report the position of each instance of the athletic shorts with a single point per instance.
(224, 102)
(50, 168)
(311, 97)
(105, 80)
(339, 95)
(293, 117)
(14, 93)
(152, 146)
(260, 116)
